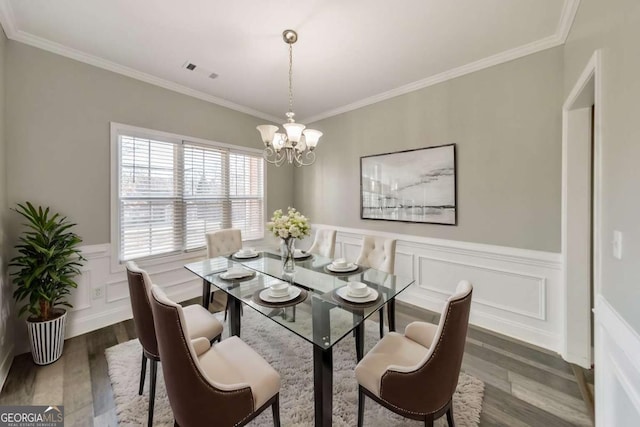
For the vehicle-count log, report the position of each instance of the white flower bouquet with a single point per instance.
(293, 224)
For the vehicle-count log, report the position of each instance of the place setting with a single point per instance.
(246, 253)
(341, 266)
(237, 273)
(279, 294)
(356, 293)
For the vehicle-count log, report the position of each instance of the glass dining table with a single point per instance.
(319, 314)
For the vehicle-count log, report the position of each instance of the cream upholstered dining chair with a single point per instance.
(416, 374)
(378, 253)
(324, 243)
(222, 243)
(225, 385)
(200, 323)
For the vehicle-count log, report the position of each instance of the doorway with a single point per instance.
(581, 212)
(581, 240)
(581, 248)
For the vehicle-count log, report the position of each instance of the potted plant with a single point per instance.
(47, 263)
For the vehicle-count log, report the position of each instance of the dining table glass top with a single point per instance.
(323, 317)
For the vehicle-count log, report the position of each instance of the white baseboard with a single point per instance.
(617, 361)
(5, 364)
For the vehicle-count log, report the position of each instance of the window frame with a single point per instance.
(117, 129)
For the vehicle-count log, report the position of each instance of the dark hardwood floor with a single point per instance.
(524, 385)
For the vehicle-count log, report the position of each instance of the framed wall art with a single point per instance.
(411, 186)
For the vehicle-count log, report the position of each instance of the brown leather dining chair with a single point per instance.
(416, 374)
(226, 385)
(200, 323)
(378, 253)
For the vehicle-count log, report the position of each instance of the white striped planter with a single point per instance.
(47, 339)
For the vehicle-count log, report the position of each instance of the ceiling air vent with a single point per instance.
(200, 70)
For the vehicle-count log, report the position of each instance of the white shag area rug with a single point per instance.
(292, 357)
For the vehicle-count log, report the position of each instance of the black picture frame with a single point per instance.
(388, 179)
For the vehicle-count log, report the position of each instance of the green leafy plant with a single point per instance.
(48, 261)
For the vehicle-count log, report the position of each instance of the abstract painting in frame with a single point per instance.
(411, 186)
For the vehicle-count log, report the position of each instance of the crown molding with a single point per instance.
(567, 16)
(570, 8)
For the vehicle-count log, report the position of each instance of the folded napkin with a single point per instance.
(237, 273)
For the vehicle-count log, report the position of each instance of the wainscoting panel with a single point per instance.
(102, 296)
(617, 347)
(517, 292)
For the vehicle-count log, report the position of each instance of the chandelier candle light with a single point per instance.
(296, 144)
(288, 227)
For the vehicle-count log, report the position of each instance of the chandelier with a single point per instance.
(295, 144)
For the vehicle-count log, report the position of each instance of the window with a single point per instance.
(170, 192)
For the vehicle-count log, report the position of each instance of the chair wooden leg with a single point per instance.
(428, 421)
(143, 373)
(450, 416)
(381, 311)
(361, 398)
(152, 390)
(275, 408)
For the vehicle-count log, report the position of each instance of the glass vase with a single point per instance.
(287, 250)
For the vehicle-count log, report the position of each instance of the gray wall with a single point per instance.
(506, 122)
(6, 298)
(614, 27)
(58, 133)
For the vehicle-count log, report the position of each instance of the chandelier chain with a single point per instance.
(291, 78)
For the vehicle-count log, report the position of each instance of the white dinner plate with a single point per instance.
(294, 292)
(247, 256)
(343, 293)
(352, 267)
(237, 276)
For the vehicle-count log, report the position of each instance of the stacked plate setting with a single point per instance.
(357, 292)
(341, 265)
(280, 292)
(246, 253)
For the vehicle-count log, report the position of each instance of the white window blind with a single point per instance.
(246, 194)
(170, 194)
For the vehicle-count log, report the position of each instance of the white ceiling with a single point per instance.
(349, 53)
